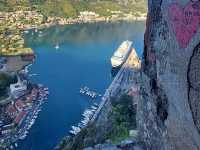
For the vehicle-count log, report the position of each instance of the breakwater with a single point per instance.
(132, 64)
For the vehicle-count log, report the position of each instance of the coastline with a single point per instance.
(23, 109)
(63, 21)
(78, 21)
(19, 22)
(62, 24)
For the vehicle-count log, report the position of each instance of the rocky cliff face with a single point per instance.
(168, 110)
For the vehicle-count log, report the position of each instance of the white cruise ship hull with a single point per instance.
(121, 54)
(116, 63)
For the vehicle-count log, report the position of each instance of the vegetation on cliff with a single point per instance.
(122, 118)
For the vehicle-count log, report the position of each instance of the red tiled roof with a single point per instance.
(19, 104)
(11, 109)
(20, 117)
(34, 92)
(28, 99)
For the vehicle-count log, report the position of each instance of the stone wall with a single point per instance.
(168, 110)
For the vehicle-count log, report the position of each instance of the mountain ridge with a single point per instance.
(70, 8)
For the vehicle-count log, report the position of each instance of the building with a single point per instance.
(20, 117)
(7, 129)
(18, 89)
(88, 13)
(19, 104)
(11, 111)
(88, 16)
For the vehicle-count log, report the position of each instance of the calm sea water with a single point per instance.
(82, 59)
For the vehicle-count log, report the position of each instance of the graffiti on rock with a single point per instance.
(185, 21)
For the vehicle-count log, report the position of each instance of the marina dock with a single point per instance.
(89, 93)
(122, 80)
(125, 79)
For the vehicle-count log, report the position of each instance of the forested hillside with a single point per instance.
(71, 8)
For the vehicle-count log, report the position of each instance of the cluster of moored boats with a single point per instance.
(30, 120)
(43, 93)
(86, 91)
(87, 116)
(13, 146)
(34, 31)
(32, 115)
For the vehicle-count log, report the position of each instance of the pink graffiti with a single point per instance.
(185, 21)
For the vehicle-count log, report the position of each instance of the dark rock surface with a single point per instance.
(194, 85)
(168, 110)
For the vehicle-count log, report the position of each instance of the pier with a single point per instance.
(87, 92)
(121, 81)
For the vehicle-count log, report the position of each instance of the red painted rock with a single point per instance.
(185, 21)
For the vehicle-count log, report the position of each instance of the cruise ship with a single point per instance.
(121, 54)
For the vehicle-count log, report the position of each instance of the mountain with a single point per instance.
(71, 8)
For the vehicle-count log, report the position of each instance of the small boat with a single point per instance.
(93, 110)
(16, 145)
(22, 137)
(26, 132)
(57, 46)
(40, 85)
(34, 74)
(84, 122)
(86, 91)
(81, 125)
(87, 112)
(47, 92)
(72, 132)
(26, 31)
(76, 128)
(46, 89)
(94, 107)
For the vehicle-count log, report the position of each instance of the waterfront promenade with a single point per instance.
(121, 81)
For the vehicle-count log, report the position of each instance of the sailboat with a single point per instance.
(57, 46)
